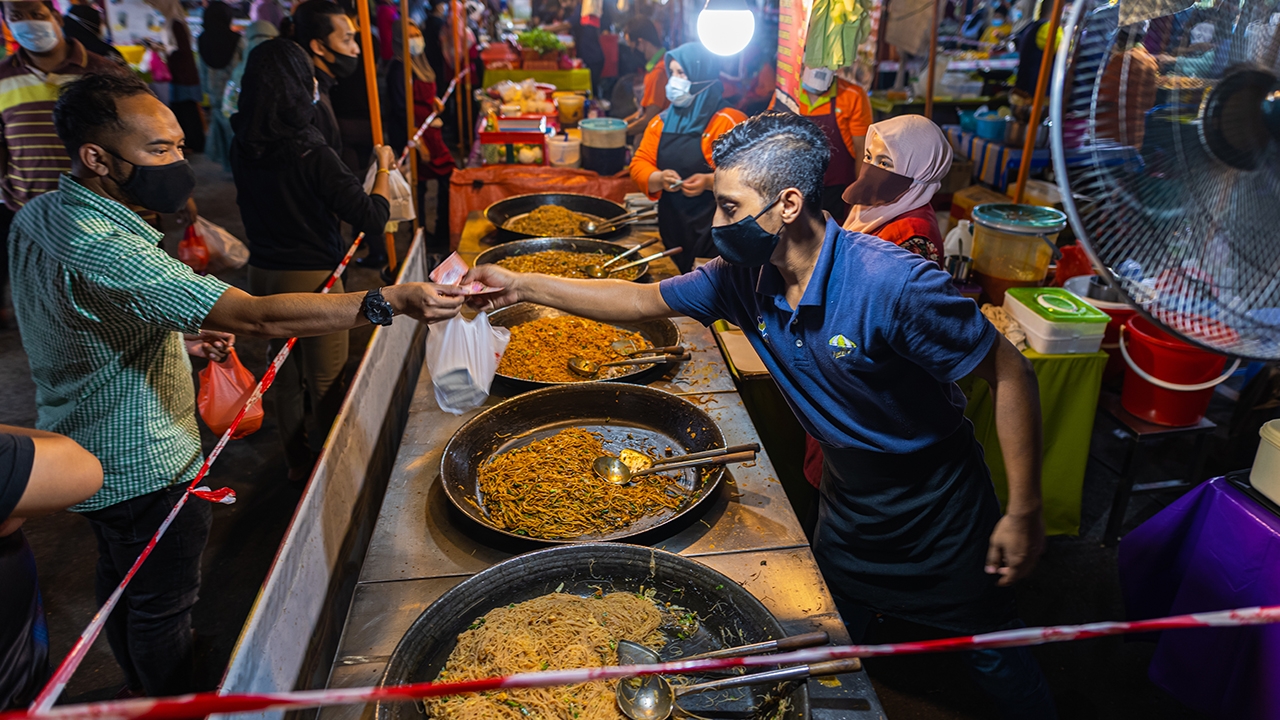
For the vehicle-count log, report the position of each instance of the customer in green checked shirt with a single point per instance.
(102, 312)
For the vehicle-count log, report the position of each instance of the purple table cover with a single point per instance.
(1216, 548)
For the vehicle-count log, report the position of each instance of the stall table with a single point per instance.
(1215, 548)
(578, 80)
(420, 549)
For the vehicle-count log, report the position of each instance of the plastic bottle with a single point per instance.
(959, 241)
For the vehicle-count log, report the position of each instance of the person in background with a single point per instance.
(83, 23)
(269, 11)
(294, 192)
(641, 35)
(46, 59)
(325, 32)
(843, 111)
(1126, 91)
(1031, 42)
(673, 163)
(219, 46)
(102, 311)
(584, 24)
(865, 342)
(435, 30)
(996, 33)
(258, 32)
(185, 91)
(435, 162)
(40, 473)
(387, 19)
(905, 161)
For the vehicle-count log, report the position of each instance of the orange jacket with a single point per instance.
(853, 112)
(645, 162)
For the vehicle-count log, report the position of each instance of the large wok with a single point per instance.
(725, 610)
(594, 208)
(516, 248)
(626, 415)
(659, 333)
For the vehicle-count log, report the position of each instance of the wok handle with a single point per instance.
(794, 642)
(633, 250)
(721, 460)
(652, 350)
(748, 447)
(648, 360)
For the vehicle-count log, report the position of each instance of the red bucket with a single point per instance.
(1170, 381)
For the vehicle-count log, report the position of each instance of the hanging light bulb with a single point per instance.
(726, 26)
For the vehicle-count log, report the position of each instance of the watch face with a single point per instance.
(380, 313)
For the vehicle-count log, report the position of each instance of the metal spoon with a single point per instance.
(641, 261)
(630, 653)
(603, 466)
(611, 469)
(628, 347)
(589, 226)
(589, 368)
(653, 698)
(620, 221)
(597, 271)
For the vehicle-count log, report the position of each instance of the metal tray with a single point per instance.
(614, 410)
(728, 615)
(659, 333)
(593, 207)
(580, 244)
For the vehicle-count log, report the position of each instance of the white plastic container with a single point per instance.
(563, 151)
(1265, 476)
(1056, 321)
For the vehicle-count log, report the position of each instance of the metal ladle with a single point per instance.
(614, 223)
(589, 368)
(603, 466)
(641, 261)
(611, 469)
(629, 347)
(597, 271)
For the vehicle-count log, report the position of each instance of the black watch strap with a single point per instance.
(376, 308)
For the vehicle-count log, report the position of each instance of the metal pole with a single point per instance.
(933, 60)
(371, 89)
(1037, 103)
(409, 105)
(459, 27)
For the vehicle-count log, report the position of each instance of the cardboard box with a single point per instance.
(964, 201)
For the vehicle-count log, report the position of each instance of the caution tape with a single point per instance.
(225, 496)
(201, 704)
(413, 141)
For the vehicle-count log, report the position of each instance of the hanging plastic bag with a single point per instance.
(224, 388)
(192, 251)
(156, 64)
(226, 251)
(462, 357)
(399, 194)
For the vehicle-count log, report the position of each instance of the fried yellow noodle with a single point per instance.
(540, 349)
(563, 263)
(552, 632)
(549, 221)
(547, 489)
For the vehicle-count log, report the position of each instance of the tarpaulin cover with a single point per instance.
(1214, 548)
(475, 189)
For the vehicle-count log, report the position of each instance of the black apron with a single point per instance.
(907, 535)
(685, 221)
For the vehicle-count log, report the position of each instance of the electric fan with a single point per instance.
(1169, 161)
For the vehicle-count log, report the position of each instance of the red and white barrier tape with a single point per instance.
(425, 123)
(49, 695)
(199, 705)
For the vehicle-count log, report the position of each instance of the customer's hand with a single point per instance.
(425, 301)
(188, 214)
(210, 344)
(494, 277)
(386, 157)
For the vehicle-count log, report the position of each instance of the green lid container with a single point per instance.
(1058, 305)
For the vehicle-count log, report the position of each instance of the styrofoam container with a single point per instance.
(1056, 321)
(1265, 476)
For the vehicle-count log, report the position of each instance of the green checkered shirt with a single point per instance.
(101, 309)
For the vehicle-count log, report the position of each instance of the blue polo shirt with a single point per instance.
(870, 357)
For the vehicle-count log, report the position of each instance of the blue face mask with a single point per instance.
(678, 91)
(37, 36)
(745, 243)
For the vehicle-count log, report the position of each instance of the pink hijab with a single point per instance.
(920, 151)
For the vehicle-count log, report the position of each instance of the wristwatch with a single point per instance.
(376, 308)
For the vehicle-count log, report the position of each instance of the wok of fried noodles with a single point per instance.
(549, 221)
(540, 349)
(565, 263)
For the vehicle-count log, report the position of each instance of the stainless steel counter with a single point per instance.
(420, 548)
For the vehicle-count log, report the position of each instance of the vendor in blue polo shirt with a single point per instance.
(866, 341)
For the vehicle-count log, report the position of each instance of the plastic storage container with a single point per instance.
(564, 151)
(570, 106)
(1012, 246)
(604, 145)
(1056, 321)
(991, 126)
(1265, 476)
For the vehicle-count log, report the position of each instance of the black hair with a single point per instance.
(313, 20)
(775, 151)
(47, 3)
(88, 16)
(276, 117)
(642, 28)
(86, 108)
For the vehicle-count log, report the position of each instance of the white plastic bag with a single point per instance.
(226, 251)
(399, 194)
(462, 357)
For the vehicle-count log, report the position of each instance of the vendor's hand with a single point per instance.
(210, 344)
(386, 157)
(1015, 547)
(495, 277)
(662, 181)
(438, 105)
(695, 185)
(425, 301)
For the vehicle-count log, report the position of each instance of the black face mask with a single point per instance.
(159, 188)
(342, 65)
(876, 186)
(745, 242)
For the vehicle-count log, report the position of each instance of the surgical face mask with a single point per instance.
(159, 188)
(342, 65)
(678, 91)
(417, 46)
(876, 186)
(817, 80)
(38, 36)
(745, 243)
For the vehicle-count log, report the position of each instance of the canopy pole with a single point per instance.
(409, 106)
(933, 60)
(375, 109)
(1037, 103)
(459, 28)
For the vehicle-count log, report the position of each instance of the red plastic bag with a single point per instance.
(224, 388)
(192, 251)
